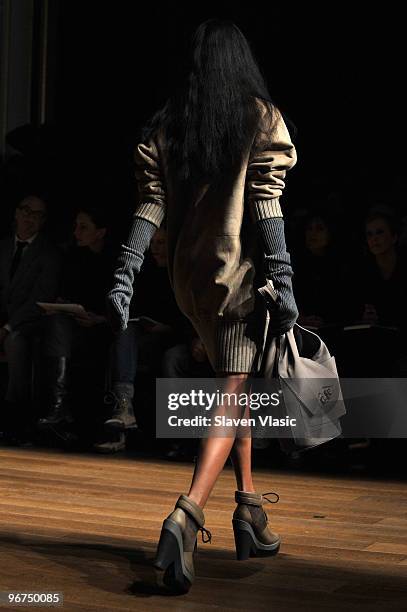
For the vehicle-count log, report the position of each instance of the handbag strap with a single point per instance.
(294, 347)
(323, 351)
(292, 343)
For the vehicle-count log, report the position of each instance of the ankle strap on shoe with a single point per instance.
(254, 499)
(192, 508)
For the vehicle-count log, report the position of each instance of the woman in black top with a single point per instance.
(379, 290)
(85, 279)
(319, 273)
(384, 279)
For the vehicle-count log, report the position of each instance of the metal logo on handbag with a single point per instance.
(325, 395)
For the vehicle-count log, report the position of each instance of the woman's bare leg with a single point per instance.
(214, 451)
(241, 456)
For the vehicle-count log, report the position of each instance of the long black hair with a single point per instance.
(211, 118)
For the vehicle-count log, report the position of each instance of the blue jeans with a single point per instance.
(64, 336)
(136, 348)
(178, 363)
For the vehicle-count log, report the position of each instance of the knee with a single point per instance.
(174, 360)
(60, 319)
(15, 341)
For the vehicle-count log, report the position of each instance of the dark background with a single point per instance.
(336, 73)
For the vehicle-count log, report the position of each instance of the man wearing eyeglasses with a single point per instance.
(29, 270)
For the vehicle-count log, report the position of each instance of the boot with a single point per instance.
(115, 444)
(178, 541)
(57, 385)
(253, 537)
(122, 416)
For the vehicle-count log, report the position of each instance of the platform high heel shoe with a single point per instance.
(253, 537)
(173, 564)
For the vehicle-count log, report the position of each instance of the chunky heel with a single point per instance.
(169, 569)
(253, 537)
(167, 550)
(173, 563)
(243, 540)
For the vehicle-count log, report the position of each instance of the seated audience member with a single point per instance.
(402, 241)
(318, 274)
(86, 276)
(383, 275)
(379, 290)
(142, 344)
(29, 270)
(186, 360)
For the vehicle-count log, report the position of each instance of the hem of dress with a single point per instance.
(235, 350)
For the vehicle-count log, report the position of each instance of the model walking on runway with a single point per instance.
(212, 166)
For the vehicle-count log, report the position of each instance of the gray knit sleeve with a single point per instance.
(128, 264)
(278, 271)
(273, 153)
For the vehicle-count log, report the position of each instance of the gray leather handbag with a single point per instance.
(309, 386)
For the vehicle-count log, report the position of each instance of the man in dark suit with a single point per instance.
(29, 272)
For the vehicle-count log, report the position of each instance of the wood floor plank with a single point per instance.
(88, 525)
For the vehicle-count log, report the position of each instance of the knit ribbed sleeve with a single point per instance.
(128, 264)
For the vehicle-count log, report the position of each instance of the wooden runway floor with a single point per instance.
(88, 526)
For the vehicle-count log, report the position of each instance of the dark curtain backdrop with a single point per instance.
(337, 74)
